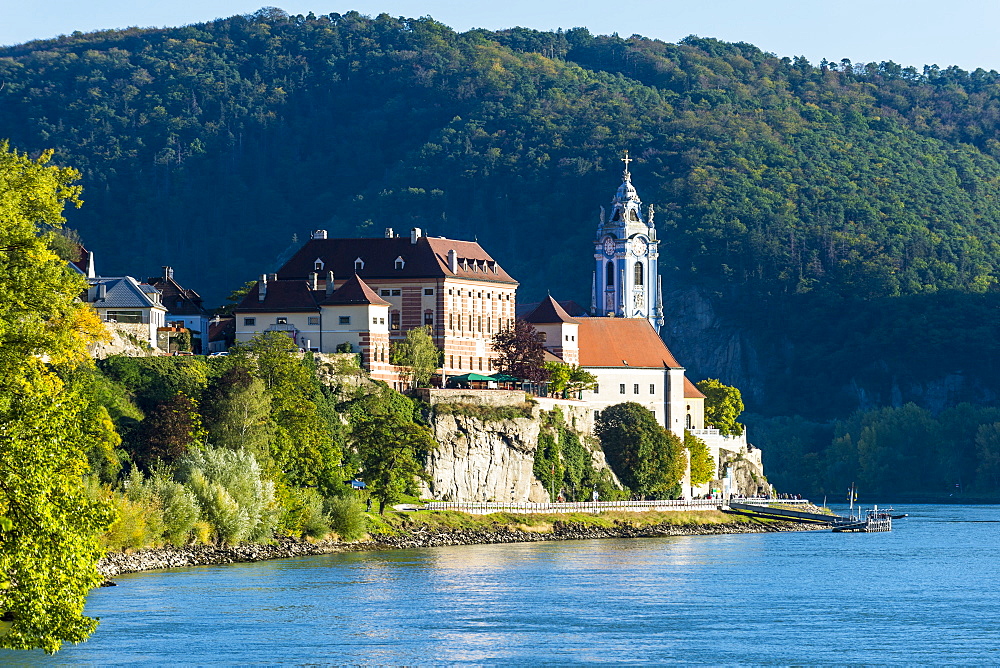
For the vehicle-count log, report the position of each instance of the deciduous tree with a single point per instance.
(723, 405)
(168, 432)
(703, 468)
(49, 527)
(419, 354)
(647, 458)
(237, 412)
(520, 352)
(569, 378)
(391, 451)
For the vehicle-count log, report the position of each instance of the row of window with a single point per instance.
(313, 320)
(502, 296)
(472, 363)
(543, 337)
(635, 388)
(621, 388)
(398, 292)
(639, 273)
(457, 322)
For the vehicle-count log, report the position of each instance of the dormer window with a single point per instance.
(318, 265)
(359, 264)
(400, 262)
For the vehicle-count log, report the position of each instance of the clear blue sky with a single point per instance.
(910, 32)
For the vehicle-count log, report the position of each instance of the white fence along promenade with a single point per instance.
(487, 507)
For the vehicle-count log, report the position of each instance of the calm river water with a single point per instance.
(928, 592)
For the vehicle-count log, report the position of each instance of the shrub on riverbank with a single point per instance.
(347, 517)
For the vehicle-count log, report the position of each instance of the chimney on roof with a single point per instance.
(318, 234)
(168, 272)
(415, 233)
(313, 280)
(272, 277)
(453, 261)
(389, 234)
(91, 269)
(329, 283)
(262, 288)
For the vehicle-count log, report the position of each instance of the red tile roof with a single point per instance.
(428, 258)
(572, 309)
(295, 295)
(178, 299)
(354, 291)
(691, 390)
(549, 356)
(281, 296)
(549, 311)
(622, 342)
(223, 330)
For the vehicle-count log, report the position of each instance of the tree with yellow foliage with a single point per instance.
(49, 527)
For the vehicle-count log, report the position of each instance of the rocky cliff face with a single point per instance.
(485, 460)
(748, 471)
(709, 346)
(125, 339)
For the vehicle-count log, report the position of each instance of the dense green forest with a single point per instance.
(891, 453)
(808, 201)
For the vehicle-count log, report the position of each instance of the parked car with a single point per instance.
(219, 353)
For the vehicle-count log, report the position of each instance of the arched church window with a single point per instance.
(609, 272)
(687, 421)
(639, 273)
(633, 216)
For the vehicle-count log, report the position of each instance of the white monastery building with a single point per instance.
(454, 287)
(359, 295)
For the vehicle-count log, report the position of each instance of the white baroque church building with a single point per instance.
(626, 250)
(618, 340)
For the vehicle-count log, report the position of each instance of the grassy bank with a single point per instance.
(398, 523)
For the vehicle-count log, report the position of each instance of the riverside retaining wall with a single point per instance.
(118, 563)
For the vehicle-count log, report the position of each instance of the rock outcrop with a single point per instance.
(747, 470)
(484, 460)
(124, 339)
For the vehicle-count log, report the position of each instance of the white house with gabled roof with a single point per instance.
(125, 301)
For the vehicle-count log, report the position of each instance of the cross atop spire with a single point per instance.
(626, 160)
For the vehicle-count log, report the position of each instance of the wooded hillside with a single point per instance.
(798, 196)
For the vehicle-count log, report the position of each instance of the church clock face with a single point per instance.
(609, 246)
(638, 246)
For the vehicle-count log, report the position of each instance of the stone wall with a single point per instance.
(433, 396)
(130, 339)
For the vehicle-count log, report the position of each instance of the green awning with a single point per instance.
(470, 377)
(504, 378)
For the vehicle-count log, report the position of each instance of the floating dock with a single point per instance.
(874, 520)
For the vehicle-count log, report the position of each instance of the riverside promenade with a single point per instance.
(487, 507)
